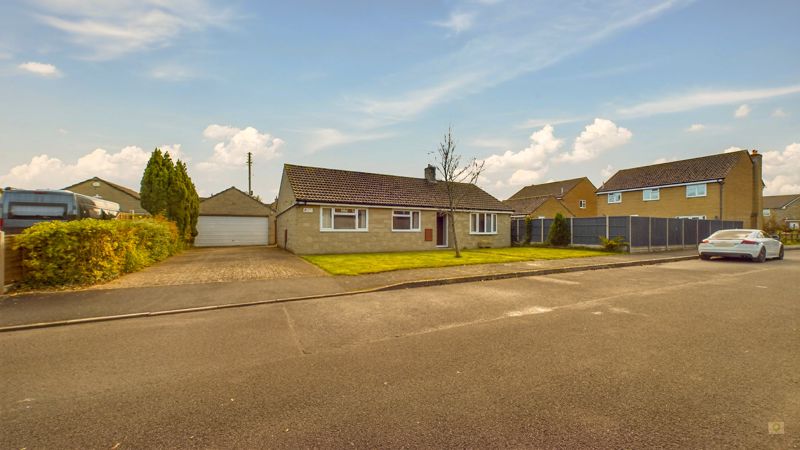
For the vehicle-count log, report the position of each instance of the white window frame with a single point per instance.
(410, 214)
(696, 194)
(582, 204)
(617, 195)
(360, 228)
(647, 195)
(766, 212)
(489, 221)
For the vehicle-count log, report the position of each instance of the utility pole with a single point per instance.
(249, 174)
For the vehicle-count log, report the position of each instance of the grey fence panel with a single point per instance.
(640, 231)
(548, 223)
(618, 227)
(728, 224)
(675, 232)
(690, 232)
(535, 228)
(517, 231)
(587, 230)
(703, 229)
(658, 231)
(714, 226)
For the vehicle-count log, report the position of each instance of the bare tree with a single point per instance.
(455, 176)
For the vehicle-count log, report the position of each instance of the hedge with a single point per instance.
(90, 251)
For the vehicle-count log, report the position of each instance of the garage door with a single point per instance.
(219, 231)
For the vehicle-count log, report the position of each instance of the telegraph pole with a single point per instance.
(249, 174)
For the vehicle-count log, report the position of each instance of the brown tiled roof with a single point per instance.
(779, 201)
(233, 202)
(128, 191)
(526, 205)
(555, 188)
(713, 167)
(312, 184)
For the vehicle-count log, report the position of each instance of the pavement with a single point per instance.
(43, 309)
(690, 354)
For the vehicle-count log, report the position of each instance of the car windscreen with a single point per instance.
(731, 234)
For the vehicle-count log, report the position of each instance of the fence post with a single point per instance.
(683, 233)
(607, 232)
(630, 234)
(2, 263)
(649, 234)
(570, 231)
(541, 229)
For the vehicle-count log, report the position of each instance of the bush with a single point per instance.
(614, 244)
(90, 251)
(559, 233)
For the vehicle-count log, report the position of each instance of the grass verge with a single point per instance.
(363, 263)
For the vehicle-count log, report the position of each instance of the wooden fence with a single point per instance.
(12, 261)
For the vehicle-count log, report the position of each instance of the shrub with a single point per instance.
(614, 244)
(90, 251)
(559, 232)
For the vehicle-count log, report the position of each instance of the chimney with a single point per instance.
(758, 191)
(430, 174)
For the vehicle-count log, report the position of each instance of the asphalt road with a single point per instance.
(690, 354)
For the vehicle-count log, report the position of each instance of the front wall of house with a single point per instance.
(584, 190)
(672, 203)
(550, 208)
(304, 235)
(285, 221)
(126, 202)
(738, 195)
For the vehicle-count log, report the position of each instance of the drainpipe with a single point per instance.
(721, 196)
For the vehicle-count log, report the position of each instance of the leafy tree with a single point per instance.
(168, 190)
(192, 202)
(155, 183)
(454, 175)
(559, 232)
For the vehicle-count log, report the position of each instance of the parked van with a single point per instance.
(24, 208)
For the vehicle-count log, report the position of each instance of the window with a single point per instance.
(696, 190)
(405, 221)
(649, 195)
(343, 219)
(582, 204)
(794, 225)
(766, 212)
(615, 197)
(482, 223)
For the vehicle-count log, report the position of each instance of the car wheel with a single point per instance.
(780, 253)
(762, 255)
(704, 257)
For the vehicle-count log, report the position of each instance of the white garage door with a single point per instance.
(218, 231)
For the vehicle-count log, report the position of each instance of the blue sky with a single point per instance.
(539, 90)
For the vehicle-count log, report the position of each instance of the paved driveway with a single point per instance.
(223, 264)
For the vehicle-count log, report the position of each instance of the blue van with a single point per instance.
(24, 208)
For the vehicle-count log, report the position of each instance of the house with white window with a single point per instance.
(783, 210)
(340, 211)
(570, 198)
(726, 186)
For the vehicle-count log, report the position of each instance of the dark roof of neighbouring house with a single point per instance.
(118, 187)
(713, 167)
(233, 202)
(314, 184)
(554, 188)
(526, 205)
(779, 201)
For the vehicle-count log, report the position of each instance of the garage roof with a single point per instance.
(233, 202)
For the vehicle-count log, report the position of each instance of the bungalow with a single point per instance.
(128, 199)
(232, 218)
(339, 211)
(783, 209)
(725, 186)
(571, 198)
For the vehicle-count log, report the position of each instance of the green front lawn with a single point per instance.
(361, 263)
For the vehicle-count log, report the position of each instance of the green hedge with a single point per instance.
(90, 251)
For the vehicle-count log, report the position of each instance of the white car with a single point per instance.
(753, 244)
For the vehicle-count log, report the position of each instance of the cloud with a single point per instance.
(44, 172)
(742, 111)
(732, 149)
(779, 113)
(171, 72)
(702, 99)
(457, 22)
(322, 138)
(695, 127)
(175, 152)
(41, 69)
(596, 138)
(233, 144)
(525, 166)
(781, 170)
(607, 172)
(663, 160)
(537, 123)
(111, 29)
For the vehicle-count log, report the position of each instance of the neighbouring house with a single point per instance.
(232, 218)
(128, 199)
(339, 211)
(726, 186)
(783, 209)
(571, 198)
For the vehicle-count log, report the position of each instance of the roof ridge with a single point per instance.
(371, 173)
(715, 155)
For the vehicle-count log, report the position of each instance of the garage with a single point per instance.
(232, 218)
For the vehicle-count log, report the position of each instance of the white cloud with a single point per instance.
(779, 113)
(233, 144)
(322, 138)
(175, 152)
(607, 172)
(596, 138)
(781, 170)
(665, 160)
(44, 172)
(457, 22)
(41, 69)
(695, 127)
(524, 167)
(742, 111)
(537, 123)
(732, 149)
(172, 72)
(703, 98)
(110, 29)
